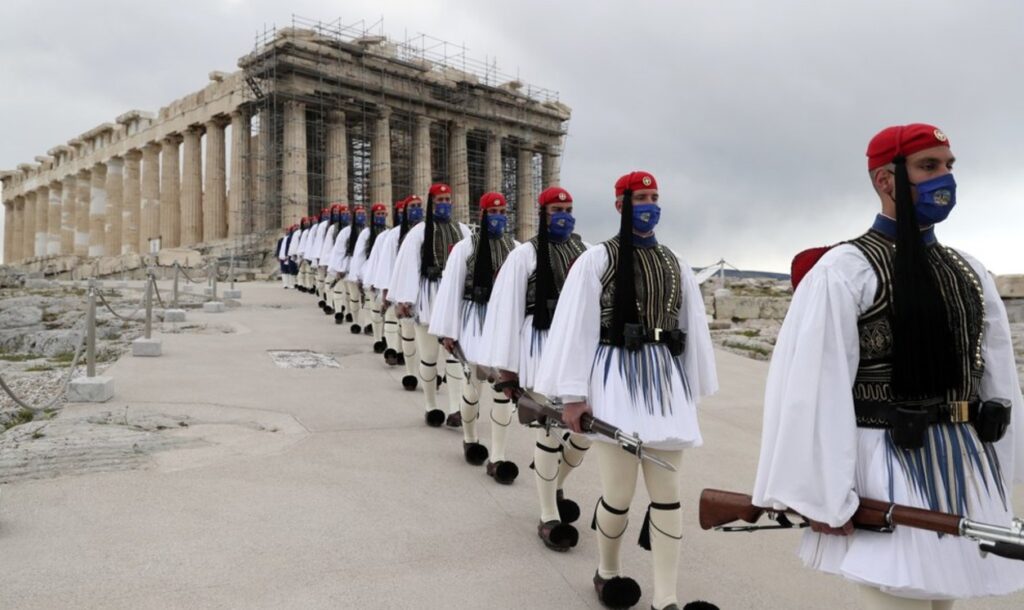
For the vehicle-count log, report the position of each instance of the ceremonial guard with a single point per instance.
(458, 316)
(400, 334)
(297, 249)
(367, 239)
(326, 291)
(629, 343)
(318, 269)
(893, 379)
(355, 297)
(519, 315)
(288, 267)
(421, 261)
(339, 291)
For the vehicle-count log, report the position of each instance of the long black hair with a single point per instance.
(624, 310)
(375, 231)
(427, 249)
(924, 352)
(544, 286)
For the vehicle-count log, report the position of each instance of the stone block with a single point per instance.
(1010, 286)
(1015, 310)
(213, 307)
(91, 389)
(186, 257)
(174, 315)
(208, 292)
(146, 347)
(232, 294)
(38, 284)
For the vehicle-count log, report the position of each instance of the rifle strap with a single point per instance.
(615, 511)
(645, 531)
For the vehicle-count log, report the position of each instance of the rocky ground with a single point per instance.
(753, 336)
(42, 324)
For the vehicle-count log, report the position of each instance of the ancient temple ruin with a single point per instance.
(317, 113)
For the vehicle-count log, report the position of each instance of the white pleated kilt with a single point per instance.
(531, 346)
(644, 393)
(471, 327)
(425, 301)
(910, 562)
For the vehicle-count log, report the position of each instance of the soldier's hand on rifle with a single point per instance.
(449, 344)
(512, 381)
(823, 528)
(571, 414)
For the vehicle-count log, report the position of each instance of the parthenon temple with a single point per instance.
(317, 113)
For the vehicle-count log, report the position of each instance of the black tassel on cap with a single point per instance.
(427, 249)
(544, 286)
(483, 273)
(353, 235)
(924, 353)
(624, 310)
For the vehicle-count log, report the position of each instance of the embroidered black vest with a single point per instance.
(562, 256)
(963, 294)
(499, 252)
(658, 286)
(446, 235)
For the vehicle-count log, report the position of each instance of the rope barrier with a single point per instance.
(187, 276)
(103, 299)
(156, 290)
(60, 394)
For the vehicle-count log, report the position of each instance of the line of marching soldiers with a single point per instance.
(893, 377)
(496, 319)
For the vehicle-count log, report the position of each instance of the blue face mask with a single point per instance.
(442, 211)
(415, 214)
(496, 224)
(345, 218)
(935, 200)
(646, 217)
(335, 218)
(360, 218)
(561, 225)
(380, 221)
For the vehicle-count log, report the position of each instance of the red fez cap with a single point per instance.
(554, 194)
(413, 199)
(635, 181)
(903, 140)
(339, 207)
(400, 204)
(326, 210)
(492, 200)
(358, 207)
(378, 207)
(440, 188)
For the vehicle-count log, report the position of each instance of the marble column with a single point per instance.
(28, 247)
(149, 207)
(18, 230)
(42, 220)
(8, 231)
(132, 189)
(265, 173)
(549, 169)
(238, 191)
(98, 211)
(294, 187)
(115, 206)
(458, 168)
(492, 168)
(421, 168)
(214, 203)
(336, 164)
(170, 192)
(380, 159)
(192, 188)
(84, 187)
(526, 199)
(69, 200)
(53, 220)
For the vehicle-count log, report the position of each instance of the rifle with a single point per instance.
(533, 413)
(719, 508)
(467, 368)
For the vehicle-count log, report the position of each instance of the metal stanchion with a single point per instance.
(213, 305)
(149, 303)
(213, 281)
(90, 332)
(174, 298)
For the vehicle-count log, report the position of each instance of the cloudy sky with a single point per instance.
(754, 115)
